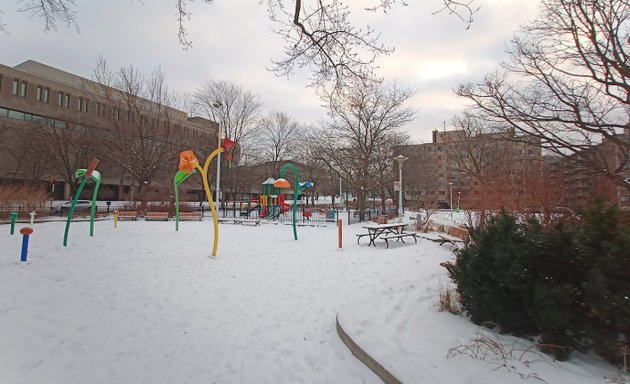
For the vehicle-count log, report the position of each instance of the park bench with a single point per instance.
(130, 215)
(247, 221)
(156, 216)
(238, 220)
(399, 236)
(190, 215)
(444, 239)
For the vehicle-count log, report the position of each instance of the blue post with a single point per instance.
(26, 231)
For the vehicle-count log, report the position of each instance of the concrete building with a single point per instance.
(35, 97)
(579, 183)
(453, 164)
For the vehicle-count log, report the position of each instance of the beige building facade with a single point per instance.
(36, 98)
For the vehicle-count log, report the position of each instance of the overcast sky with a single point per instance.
(233, 40)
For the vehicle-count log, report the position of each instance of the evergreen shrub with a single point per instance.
(567, 284)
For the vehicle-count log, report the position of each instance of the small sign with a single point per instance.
(396, 185)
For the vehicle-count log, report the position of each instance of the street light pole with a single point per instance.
(459, 196)
(216, 105)
(400, 159)
(450, 186)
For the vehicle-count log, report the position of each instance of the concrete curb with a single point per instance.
(366, 359)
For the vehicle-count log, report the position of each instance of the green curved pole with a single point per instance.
(179, 178)
(71, 211)
(295, 194)
(96, 177)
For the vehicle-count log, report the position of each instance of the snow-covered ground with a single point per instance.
(145, 304)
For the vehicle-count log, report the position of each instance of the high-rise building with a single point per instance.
(456, 162)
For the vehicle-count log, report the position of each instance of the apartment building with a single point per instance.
(35, 97)
(446, 171)
(579, 183)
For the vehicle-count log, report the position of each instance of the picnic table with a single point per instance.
(386, 232)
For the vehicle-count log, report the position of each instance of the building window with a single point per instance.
(46, 95)
(85, 106)
(67, 101)
(14, 90)
(60, 99)
(38, 95)
(23, 89)
(79, 103)
(0, 81)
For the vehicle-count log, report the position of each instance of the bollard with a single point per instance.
(33, 214)
(13, 216)
(26, 231)
(339, 231)
(116, 219)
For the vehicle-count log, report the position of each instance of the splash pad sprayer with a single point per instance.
(89, 173)
(26, 231)
(12, 217)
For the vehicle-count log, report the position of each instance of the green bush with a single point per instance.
(568, 284)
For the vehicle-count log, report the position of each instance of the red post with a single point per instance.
(339, 232)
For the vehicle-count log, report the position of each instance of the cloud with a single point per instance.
(233, 40)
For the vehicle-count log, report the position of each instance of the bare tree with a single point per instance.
(25, 156)
(317, 34)
(320, 35)
(493, 169)
(142, 135)
(363, 128)
(235, 109)
(277, 139)
(567, 84)
(51, 11)
(65, 148)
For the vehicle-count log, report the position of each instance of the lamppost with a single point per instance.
(217, 195)
(450, 186)
(400, 159)
(459, 196)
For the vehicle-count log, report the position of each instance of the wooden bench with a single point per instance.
(237, 220)
(400, 237)
(156, 216)
(190, 215)
(445, 239)
(131, 215)
(247, 221)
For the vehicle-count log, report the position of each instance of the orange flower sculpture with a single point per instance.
(188, 161)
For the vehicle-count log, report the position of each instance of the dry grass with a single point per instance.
(23, 196)
(513, 358)
(23, 199)
(448, 300)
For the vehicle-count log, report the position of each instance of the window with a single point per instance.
(23, 89)
(14, 90)
(0, 81)
(67, 101)
(46, 95)
(38, 95)
(85, 106)
(79, 103)
(60, 99)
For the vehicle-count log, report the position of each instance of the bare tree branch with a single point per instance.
(567, 83)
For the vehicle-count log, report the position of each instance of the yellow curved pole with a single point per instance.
(206, 187)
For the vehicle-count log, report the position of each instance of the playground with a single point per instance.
(143, 303)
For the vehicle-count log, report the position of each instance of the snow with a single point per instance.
(145, 304)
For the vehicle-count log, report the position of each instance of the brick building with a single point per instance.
(448, 168)
(35, 97)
